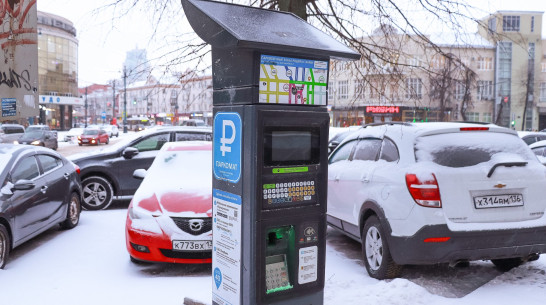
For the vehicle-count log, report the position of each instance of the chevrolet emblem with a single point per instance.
(500, 185)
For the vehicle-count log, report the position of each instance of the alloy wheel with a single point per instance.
(94, 194)
(374, 248)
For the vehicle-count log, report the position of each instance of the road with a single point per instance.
(67, 149)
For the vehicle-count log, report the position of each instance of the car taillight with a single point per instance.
(474, 128)
(425, 193)
(77, 169)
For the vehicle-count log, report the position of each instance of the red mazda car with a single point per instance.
(93, 136)
(170, 216)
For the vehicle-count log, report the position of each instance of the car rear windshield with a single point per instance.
(464, 149)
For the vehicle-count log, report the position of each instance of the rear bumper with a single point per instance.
(475, 245)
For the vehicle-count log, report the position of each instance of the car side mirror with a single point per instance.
(139, 174)
(129, 152)
(332, 145)
(23, 185)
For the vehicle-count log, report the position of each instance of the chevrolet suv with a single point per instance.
(428, 193)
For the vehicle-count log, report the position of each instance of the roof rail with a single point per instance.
(471, 122)
(387, 123)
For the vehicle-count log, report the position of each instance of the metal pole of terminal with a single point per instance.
(114, 100)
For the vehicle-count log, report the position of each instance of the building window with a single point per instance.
(532, 24)
(331, 91)
(414, 88)
(473, 116)
(343, 89)
(510, 23)
(459, 91)
(487, 118)
(359, 88)
(543, 66)
(485, 63)
(543, 92)
(485, 89)
(492, 23)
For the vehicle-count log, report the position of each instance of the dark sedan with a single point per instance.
(108, 172)
(40, 189)
(38, 137)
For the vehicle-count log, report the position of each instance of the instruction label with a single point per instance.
(308, 265)
(226, 254)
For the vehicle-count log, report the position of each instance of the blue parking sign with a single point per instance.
(227, 142)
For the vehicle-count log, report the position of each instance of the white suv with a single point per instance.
(430, 193)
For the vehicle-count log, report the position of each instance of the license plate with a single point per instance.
(498, 201)
(192, 245)
(85, 141)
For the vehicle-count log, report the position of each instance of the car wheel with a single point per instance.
(5, 245)
(79, 144)
(377, 256)
(97, 193)
(505, 264)
(107, 140)
(73, 213)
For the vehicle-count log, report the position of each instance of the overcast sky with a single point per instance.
(103, 41)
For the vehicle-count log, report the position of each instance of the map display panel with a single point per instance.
(286, 80)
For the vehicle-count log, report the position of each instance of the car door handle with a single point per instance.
(66, 176)
(43, 189)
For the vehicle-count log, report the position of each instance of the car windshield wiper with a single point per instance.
(507, 164)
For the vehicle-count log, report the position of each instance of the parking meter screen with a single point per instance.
(291, 146)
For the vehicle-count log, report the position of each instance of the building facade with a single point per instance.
(57, 71)
(472, 77)
(159, 102)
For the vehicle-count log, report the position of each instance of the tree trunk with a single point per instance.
(297, 7)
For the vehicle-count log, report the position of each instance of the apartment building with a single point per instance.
(473, 77)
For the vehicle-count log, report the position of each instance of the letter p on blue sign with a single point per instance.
(227, 148)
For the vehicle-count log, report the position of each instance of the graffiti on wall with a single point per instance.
(13, 14)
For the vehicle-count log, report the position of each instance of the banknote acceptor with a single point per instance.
(270, 124)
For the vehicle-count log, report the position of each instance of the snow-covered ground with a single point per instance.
(90, 265)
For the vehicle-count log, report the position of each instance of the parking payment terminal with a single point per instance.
(270, 76)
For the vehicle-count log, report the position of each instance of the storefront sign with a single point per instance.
(382, 109)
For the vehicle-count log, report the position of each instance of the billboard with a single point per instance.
(18, 59)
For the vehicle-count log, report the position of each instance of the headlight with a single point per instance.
(15, 142)
(35, 142)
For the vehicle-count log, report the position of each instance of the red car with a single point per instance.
(170, 216)
(93, 136)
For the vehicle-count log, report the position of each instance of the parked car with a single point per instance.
(139, 127)
(109, 172)
(93, 136)
(431, 193)
(531, 137)
(10, 132)
(170, 216)
(193, 122)
(38, 137)
(539, 148)
(40, 189)
(73, 134)
(112, 130)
